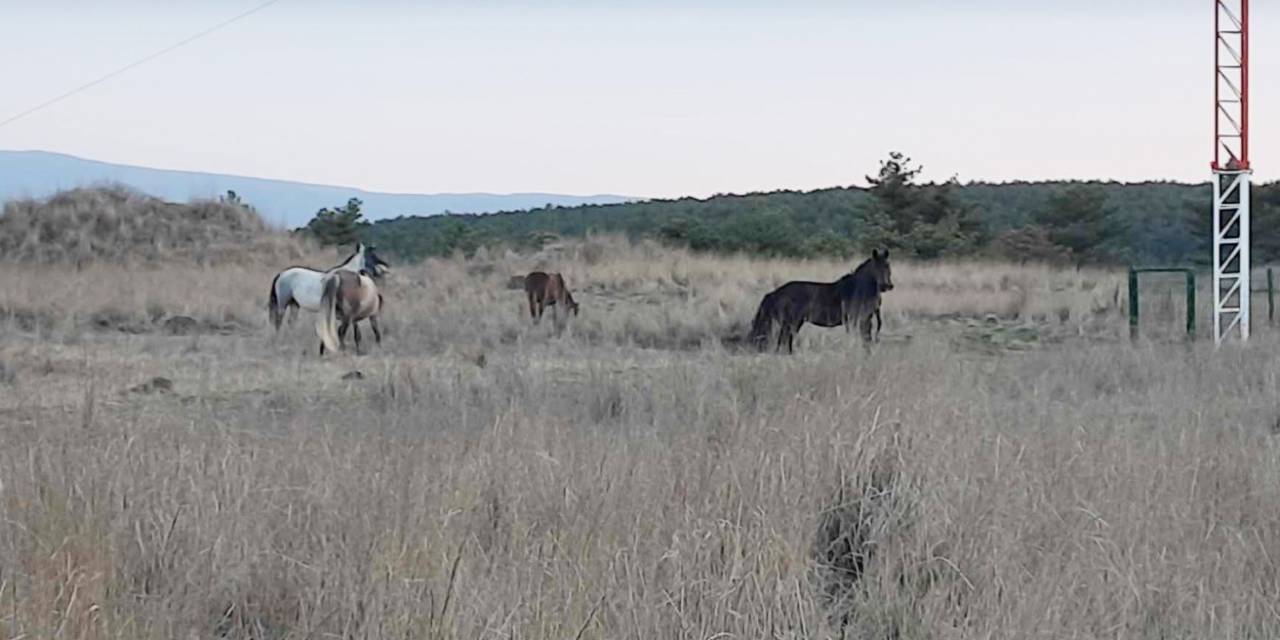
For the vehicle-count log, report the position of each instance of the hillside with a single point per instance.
(38, 174)
(119, 226)
(1160, 218)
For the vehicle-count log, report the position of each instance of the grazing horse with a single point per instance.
(352, 297)
(544, 289)
(302, 286)
(853, 299)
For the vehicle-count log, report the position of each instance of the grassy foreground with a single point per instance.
(1004, 465)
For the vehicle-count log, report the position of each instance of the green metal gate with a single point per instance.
(1133, 297)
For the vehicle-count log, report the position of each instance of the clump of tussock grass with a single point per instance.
(117, 225)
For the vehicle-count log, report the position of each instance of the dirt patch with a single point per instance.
(28, 320)
(181, 326)
(154, 385)
(112, 320)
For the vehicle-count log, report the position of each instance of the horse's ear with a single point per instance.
(875, 255)
(884, 254)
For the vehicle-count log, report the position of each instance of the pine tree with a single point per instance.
(926, 221)
(340, 226)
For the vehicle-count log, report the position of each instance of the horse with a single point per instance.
(853, 299)
(544, 289)
(352, 297)
(302, 286)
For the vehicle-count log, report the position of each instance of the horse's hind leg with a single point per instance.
(377, 333)
(786, 336)
(342, 333)
(355, 328)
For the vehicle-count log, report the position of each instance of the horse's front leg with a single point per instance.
(355, 328)
(864, 325)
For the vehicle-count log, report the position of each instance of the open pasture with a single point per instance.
(1005, 464)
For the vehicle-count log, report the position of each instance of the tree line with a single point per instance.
(1075, 223)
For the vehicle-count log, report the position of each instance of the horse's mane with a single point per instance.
(865, 266)
(860, 283)
(346, 260)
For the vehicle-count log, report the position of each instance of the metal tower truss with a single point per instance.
(1231, 172)
(1230, 254)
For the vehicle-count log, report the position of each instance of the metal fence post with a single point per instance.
(1191, 305)
(1271, 298)
(1133, 303)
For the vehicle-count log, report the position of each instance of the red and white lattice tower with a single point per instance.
(1231, 172)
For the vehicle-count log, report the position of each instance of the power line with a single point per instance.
(138, 62)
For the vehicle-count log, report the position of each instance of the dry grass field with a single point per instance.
(1005, 464)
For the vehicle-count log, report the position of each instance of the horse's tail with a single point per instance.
(327, 318)
(273, 305)
(763, 322)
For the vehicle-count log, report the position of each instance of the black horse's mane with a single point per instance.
(860, 283)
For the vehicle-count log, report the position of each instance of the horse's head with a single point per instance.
(882, 271)
(374, 264)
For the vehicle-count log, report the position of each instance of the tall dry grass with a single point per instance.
(625, 475)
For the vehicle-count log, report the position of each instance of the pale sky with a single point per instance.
(648, 98)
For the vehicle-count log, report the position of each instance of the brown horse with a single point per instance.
(544, 289)
(352, 297)
(853, 299)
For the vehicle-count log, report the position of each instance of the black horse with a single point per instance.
(853, 299)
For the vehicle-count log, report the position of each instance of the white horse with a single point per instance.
(303, 287)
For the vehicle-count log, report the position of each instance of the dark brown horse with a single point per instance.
(853, 299)
(545, 289)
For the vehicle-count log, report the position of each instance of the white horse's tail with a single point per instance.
(327, 318)
(273, 304)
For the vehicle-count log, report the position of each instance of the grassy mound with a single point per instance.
(119, 225)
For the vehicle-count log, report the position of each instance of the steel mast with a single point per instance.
(1231, 171)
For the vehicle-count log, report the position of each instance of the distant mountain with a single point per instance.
(41, 173)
